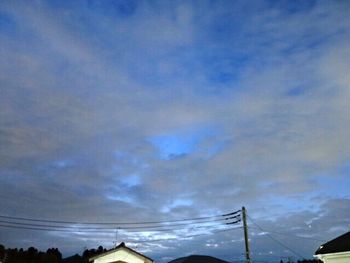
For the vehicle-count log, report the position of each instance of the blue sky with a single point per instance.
(145, 110)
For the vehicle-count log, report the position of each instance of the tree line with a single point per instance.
(52, 255)
(30, 255)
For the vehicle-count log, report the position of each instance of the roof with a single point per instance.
(337, 245)
(120, 246)
(198, 259)
(73, 259)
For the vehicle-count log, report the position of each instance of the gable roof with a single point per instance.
(339, 244)
(198, 259)
(120, 246)
(73, 259)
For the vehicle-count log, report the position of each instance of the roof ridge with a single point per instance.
(336, 245)
(120, 246)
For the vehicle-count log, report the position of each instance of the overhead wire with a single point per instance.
(276, 240)
(149, 226)
(210, 224)
(291, 235)
(80, 230)
(115, 226)
(117, 223)
(184, 237)
(101, 230)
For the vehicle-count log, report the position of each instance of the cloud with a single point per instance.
(85, 87)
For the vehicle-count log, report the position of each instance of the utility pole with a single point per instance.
(246, 240)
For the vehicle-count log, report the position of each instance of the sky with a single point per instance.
(135, 111)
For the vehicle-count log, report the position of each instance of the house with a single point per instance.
(121, 254)
(198, 259)
(336, 250)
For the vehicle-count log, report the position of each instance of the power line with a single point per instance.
(285, 246)
(101, 230)
(274, 239)
(188, 236)
(81, 230)
(291, 235)
(117, 223)
(115, 226)
(177, 229)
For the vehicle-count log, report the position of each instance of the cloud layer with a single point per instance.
(142, 111)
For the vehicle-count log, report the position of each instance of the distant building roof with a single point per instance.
(198, 259)
(120, 246)
(337, 245)
(73, 259)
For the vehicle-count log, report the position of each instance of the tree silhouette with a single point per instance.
(31, 255)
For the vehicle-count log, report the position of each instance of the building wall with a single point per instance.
(343, 257)
(122, 255)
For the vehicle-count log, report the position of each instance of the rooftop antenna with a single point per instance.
(116, 237)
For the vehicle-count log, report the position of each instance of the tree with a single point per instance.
(2, 252)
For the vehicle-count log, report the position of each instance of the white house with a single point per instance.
(335, 251)
(121, 254)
